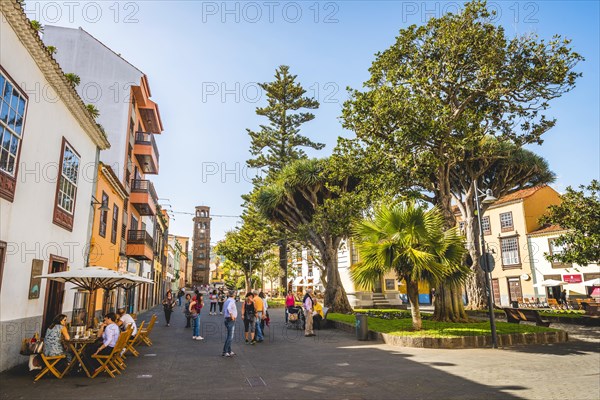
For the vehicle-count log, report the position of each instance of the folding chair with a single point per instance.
(132, 341)
(145, 336)
(50, 363)
(110, 363)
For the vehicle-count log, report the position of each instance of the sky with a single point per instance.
(204, 59)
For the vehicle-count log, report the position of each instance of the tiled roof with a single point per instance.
(548, 229)
(518, 195)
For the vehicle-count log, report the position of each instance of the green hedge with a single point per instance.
(403, 327)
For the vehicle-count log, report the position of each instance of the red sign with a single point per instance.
(572, 278)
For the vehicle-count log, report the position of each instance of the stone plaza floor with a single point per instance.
(332, 365)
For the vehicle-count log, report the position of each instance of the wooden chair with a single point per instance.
(145, 335)
(50, 363)
(132, 341)
(111, 363)
(552, 303)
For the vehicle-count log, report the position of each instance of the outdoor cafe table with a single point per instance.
(78, 346)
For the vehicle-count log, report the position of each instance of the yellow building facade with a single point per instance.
(106, 239)
(506, 224)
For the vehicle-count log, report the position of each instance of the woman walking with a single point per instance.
(249, 315)
(168, 305)
(213, 303)
(186, 310)
(290, 301)
(221, 300)
(195, 309)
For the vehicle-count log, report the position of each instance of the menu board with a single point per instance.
(35, 283)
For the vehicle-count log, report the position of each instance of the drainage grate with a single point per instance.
(255, 381)
(144, 376)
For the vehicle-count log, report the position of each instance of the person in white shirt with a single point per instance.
(230, 314)
(125, 320)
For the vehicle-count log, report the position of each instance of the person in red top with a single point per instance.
(290, 301)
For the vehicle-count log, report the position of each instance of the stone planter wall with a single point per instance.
(465, 342)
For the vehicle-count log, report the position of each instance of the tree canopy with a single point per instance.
(579, 212)
(280, 142)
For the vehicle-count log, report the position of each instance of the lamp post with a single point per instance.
(486, 262)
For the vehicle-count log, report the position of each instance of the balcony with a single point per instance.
(146, 152)
(140, 245)
(143, 196)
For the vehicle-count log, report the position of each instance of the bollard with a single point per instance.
(362, 327)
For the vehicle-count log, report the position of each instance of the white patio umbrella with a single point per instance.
(592, 282)
(132, 280)
(89, 278)
(549, 282)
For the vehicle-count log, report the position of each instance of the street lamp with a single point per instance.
(486, 260)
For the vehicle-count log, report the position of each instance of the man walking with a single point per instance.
(230, 313)
(307, 303)
(259, 307)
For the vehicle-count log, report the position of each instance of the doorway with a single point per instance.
(377, 287)
(514, 289)
(54, 292)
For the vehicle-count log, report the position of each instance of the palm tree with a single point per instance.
(411, 241)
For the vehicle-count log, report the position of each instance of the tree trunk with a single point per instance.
(412, 290)
(448, 305)
(335, 295)
(475, 284)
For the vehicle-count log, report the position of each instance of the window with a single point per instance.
(66, 192)
(556, 249)
(485, 226)
(115, 224)
(510, 252)
(68, 180)
(506, 221)
(13, 105)
(103, 215)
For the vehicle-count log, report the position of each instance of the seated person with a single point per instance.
(110, 333)
(125, 320)
(57, 330)
(317, 314)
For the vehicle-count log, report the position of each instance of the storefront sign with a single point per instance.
(576, 278)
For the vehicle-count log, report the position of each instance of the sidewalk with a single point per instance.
(332, 365)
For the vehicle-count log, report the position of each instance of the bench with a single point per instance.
(516, 315)
(591, 309)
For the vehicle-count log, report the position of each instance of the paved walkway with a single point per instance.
(332, 365)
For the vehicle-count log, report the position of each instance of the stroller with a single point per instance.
(296, 317)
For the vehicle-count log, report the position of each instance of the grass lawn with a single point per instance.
(403, 327)
(276, 303)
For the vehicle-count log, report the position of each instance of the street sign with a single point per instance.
(489, 265)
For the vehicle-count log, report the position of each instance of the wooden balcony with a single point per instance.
(146, 152)
(140, 245)
(143, 197)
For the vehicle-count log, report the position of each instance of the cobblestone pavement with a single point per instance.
(332, 365)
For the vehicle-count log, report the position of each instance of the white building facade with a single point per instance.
(542, 242)
(49, 151)
(121, 93)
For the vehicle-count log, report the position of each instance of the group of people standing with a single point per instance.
(313, 311)
(254, 311)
